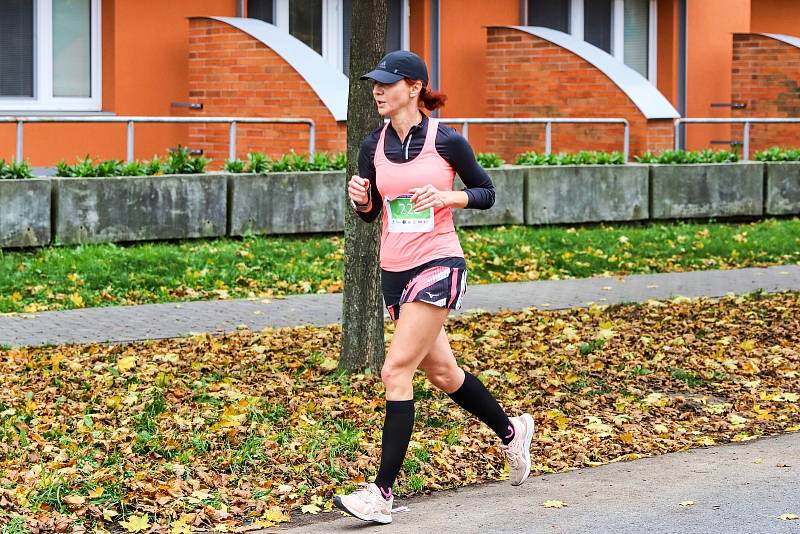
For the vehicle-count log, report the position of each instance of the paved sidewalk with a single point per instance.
(157, 321)
(736, 488)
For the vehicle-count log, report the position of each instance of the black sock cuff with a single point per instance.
(469, 383)
(398, 407)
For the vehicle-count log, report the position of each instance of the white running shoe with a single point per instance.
(519, 450)
(367, 504)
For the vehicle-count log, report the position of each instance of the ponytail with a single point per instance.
(428, 99)
(432, 99)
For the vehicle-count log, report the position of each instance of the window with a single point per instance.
(50, 55)
(261, 10)
(324, 25)
(305, 22)
(597, 23)
(553, 14)
(637, 38)
(625, 29)
(16, 48)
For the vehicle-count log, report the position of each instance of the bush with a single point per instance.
(685, 157)
(488, 160)
(235, 166)
(258, 163)
(16, 170)
(778, 154)
(579, 158)
(180, 162)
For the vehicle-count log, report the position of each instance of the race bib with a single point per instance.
(403, 218)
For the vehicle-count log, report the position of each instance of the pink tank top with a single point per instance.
(405, 250)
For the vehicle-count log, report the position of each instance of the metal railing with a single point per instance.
(747, 121)
(233, 121)
(548, 122)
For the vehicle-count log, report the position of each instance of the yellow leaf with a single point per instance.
(109, 514)
(275, 514)
(788, 517)
(97, 492)
(329, 364)
(661, 429)
(136, 523)
(686, 503)
(127, 363)
(77, 300)
(310, 509)
(16, 296)
(180, 527)
(786, 397)
(748, 344)
(554, 504)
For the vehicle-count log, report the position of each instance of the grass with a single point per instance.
(267, 266)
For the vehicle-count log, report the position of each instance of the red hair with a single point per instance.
(428, 99)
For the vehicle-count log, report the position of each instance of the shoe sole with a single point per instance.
(530, 427)
(337, 501)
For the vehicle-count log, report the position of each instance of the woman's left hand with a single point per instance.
(428, 197)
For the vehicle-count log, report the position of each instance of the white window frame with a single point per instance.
(576, 29)
(333, 27)
(43, 99)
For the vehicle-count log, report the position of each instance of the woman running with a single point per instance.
(406, 172)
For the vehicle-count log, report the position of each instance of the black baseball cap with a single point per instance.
(397, 65)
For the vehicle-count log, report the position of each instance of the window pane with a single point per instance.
(16, 48)
(549, 13)
(72, 55)
(637, 15)
(305, 22)
(597, 23)
(260, 9)
(394, 29)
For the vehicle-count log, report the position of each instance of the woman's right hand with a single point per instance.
(358, 190)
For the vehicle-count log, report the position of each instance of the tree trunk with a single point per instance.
(362, 303)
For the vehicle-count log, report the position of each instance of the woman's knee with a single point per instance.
(448, 378)
(394, 375)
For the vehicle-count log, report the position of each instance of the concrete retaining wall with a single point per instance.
(25, 212)
(586, 193)
(286, 203)
(509, 187)
(35, 212)
(708, 190)
(783, 188)
(100, 210)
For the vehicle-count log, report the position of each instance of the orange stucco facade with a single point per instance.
(145, 67)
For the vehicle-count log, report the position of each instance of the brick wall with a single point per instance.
(234, 74)
(766, 77)
(532, 77)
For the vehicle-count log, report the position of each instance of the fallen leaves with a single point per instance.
(554, 504)
(242, 431)
(788, 517)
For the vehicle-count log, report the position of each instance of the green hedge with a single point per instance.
(259, 163)
(16, 170)
(778, 154)
(685, 157)
(579, 158)
(178, 162)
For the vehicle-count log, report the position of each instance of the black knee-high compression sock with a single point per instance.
(397, 428)
(476, 399)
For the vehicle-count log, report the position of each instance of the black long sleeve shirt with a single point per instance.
(449, 144)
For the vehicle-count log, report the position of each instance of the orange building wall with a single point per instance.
(775, 16)
(145, 68)
(711, 24)
(667, 50)
(463, 62)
